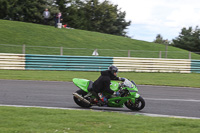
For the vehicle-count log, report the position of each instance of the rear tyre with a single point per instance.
(138, 105)
(79, 102)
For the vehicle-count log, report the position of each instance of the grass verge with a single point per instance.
(32, 120)
(163, 79)
(32, 35)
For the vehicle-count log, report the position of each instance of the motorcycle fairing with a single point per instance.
(81, 83)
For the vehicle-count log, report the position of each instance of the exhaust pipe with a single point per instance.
(81, 98)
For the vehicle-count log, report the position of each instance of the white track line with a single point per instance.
(145, 114)
(170, 116)
(180, 100)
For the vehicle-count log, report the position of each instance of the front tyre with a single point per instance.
(138, 105)
(79, 102)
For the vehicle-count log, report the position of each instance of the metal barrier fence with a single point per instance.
(70, 63)
(12, 61)
(96, 63)
(195, 66)
(25, 49)
(152, 65)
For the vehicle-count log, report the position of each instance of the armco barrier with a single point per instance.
(71, 63)
(96, 63)
(152, 64)
(195, 66)
(12, 61)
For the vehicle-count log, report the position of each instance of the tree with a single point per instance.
(159, 39)
(105, 17)
(188, 39)
(93, 15)
(62, 5)
(26, 10)
(74, 14)
(121, 23)
(3, 9)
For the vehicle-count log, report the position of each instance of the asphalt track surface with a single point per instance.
(160, 100)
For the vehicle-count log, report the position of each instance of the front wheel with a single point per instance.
(138, 105)
(79, 102)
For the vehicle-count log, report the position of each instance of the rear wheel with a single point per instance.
(79, 102)
(138, 105)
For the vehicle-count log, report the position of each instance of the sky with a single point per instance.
(152, 17)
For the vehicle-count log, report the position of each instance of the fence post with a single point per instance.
(129, 53)
(190, 55)
(166, 48)
(61, 50)
(160, 54)
(166, 51)
(23, 49)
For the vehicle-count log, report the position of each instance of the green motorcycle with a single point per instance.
(127, 89)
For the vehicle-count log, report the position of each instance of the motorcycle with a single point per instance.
(127, 90)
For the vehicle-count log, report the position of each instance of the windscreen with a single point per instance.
(128, 83)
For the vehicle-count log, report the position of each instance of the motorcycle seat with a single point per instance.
(90, 86)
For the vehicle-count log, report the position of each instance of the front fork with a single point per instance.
(134, 96)
(119, 101)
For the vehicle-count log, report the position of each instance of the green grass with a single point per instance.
(19, 33)
(29, 120)
(163, 79)
(37, 120)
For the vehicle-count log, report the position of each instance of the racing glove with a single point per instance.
(121, 79)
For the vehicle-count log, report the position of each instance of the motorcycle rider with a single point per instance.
(102, 84)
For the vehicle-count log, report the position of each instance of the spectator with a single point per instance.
(57, 18)
(46, 15)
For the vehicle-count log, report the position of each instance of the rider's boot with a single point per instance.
(103, 100)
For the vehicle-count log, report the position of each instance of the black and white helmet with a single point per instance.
(113, 69)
